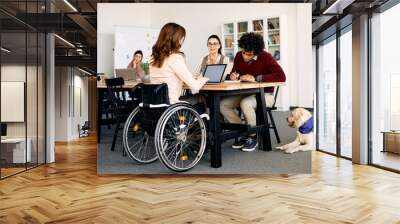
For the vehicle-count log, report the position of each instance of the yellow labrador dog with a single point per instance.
(301, 119)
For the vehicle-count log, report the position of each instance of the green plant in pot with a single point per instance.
(146, 68)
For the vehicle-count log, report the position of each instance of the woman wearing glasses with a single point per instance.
(214, 56)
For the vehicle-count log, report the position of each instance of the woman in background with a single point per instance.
(136, 64)
(168, 63)
(214, 56)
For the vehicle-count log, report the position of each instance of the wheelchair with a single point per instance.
(176, 134)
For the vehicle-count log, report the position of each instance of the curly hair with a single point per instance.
(252, 42)
(168, 42)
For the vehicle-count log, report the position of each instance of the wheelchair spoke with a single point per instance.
(135, 144)
(145, 151)
(197, 132)
(190, 151)
(141, 144)
(172, 147)
(182, 138)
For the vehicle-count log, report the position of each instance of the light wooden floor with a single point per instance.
(70, 191)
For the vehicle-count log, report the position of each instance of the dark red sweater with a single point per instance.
(265, 66)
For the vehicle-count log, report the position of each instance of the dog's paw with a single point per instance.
(290, 151)
(307, 149)
(283, 147)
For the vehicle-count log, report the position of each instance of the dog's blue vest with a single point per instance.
(307, 127)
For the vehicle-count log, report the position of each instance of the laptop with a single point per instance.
(128, 74)
(215, 73)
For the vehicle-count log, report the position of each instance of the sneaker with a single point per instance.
(239, 143)
(250, 145)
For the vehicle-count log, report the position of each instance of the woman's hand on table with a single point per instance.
(204, 80)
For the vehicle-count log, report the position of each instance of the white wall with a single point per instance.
(33, 125)
(204, 19)
(67, 114)
(61, 103)
(110, 15)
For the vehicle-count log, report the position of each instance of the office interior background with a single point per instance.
(50, 48)
(48, 80)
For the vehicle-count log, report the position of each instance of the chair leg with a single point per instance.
(274, 126)
(123, 152)
(115, 135)
(108, 118)
(240, 115)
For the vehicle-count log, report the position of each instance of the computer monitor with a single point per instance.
(215, 73)
(3, 130)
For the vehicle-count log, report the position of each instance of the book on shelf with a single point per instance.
(228, 42)
(277, 55)
(270, 25)
(257, 25)
(273, 23)
(274, 39)
(228, 28)
(242, 27)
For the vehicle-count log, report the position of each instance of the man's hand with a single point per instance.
(247, 78)
(234, 76)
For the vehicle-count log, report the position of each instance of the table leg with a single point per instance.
(215, 130)
(263, 120)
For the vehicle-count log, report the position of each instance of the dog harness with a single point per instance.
(307, 127)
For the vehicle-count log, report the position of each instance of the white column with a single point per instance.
(50, 99)
(360, 90)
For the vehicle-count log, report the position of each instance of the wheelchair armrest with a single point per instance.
(145, 105)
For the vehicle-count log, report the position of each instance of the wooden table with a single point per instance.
(128, 85)
(214, 93)
(391, 141)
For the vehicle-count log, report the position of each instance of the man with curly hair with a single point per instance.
(251, 64)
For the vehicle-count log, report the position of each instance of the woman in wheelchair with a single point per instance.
(163, 125)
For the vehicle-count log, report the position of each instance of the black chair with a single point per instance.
(269, 112)
(107, 110)
(84, 129)
(122, 107)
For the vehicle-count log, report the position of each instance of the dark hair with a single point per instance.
(219, 41)
(252, 42)
(167, 43)
(138, 52)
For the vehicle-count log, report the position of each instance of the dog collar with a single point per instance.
(307, 127)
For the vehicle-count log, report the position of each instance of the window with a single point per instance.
(327, 96)
(385, 89)
(346, 93)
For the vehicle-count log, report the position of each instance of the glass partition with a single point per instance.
(346, 93)
(22, 67)
(327, 96)
(385, 89)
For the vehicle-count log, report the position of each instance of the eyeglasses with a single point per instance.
(213, 44)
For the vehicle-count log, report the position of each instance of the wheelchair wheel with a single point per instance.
(138, 144)
(180, 137)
